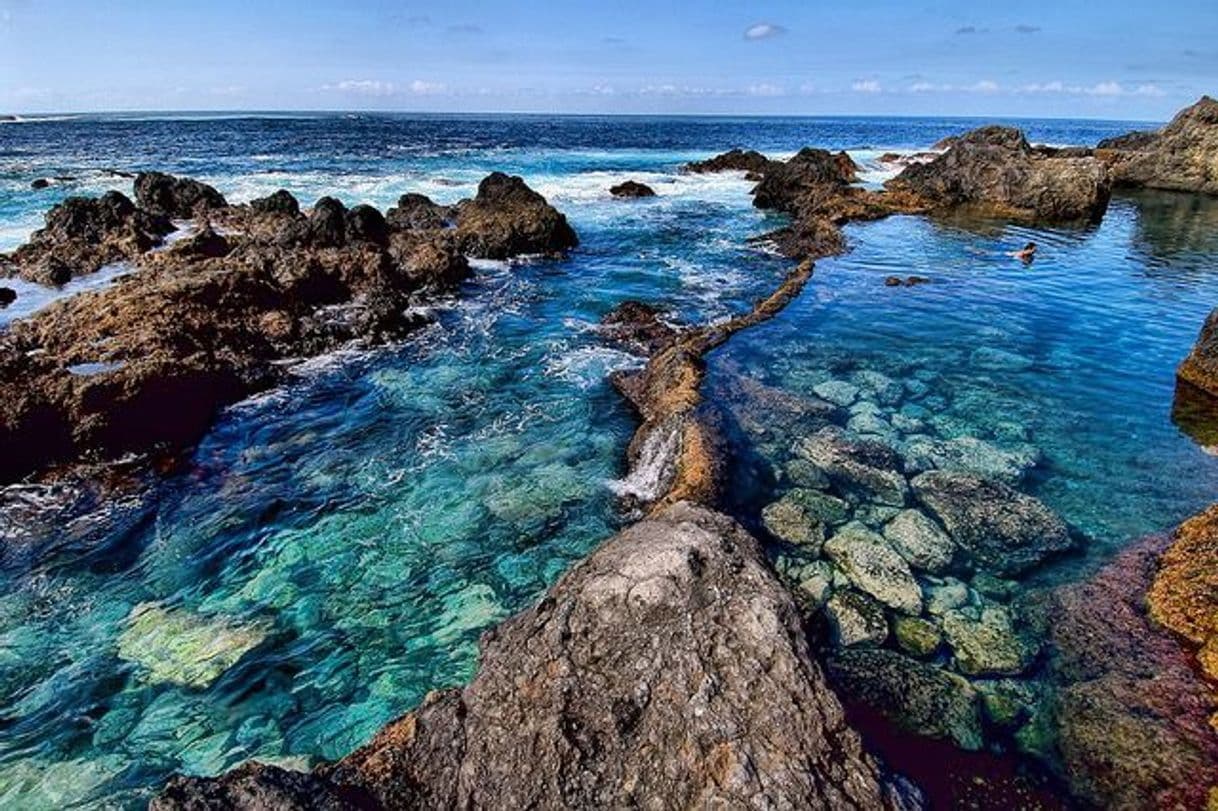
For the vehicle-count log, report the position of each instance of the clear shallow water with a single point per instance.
(347, 538)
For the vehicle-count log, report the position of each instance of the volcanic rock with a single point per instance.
(1183, 156)
(736, 160)
(280, 202)
(1200, 368)
(178, 197)
(417, 211)
(507, 218)
(631, 188)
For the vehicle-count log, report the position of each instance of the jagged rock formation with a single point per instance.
(632, 188)
(735, 160)
(144, 365)
(1183, 156)
(668, 669)
(1131, 715)
(1200, 368)
(993, 171)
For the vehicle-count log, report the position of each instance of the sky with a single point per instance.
(1067, 58)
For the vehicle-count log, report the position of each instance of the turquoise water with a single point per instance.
(337, 546)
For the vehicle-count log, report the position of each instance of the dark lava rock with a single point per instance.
(632, 188)
(177, 197)
(280, 202)
(1131, 713)
(257, 786)
(507, 218)
(909, 281)
(1003, 530)
(40, 183)
(1200, 368)
(417, 211)
(327, 223)
(736, 160)
(207, 243)
(784, 184)
(1183, 156)
(993, 171)
(84, 233)
(639, 326)
(669, 669)
(366, 224)
(7, 296)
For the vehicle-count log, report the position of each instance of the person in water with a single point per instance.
(1026, 254)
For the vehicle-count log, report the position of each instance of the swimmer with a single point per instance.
(1025, 254)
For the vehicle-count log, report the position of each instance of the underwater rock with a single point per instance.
(256, 786)
(507, 218)
(855, 619)
(177, 646)
(917, 636)
(1200, 368)
(921, 541)
(82, 234)
(999, 528)
(177, 197)
(1183, 156)
(632, 188)
(7, 296)
(863, 469)
(993, 359)
(838, 392)
(943, 597)
(986, 642)
(1132, 715)
(968, 454)
(736, 160)
(875, 568)
(917, 696)
(813, 585)
(790, 521)
(667, 669)
(993, 171)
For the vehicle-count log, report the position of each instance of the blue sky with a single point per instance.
(1064, 58)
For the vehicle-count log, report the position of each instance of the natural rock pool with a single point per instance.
(336, 546)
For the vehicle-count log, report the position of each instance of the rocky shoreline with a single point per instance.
(673, 665)
(144, 365)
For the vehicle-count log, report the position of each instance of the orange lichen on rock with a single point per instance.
(1184, 595)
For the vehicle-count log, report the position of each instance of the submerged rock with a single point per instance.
(176, 646)
(917, 636)
(855, 620)
(507, 218)
(639, 326)
(668, 669)
(874, 567)
(863, 469)
(803, 517)
(178, 197)
(1183, 156)
(986, 642)
(971, 455)
(916, 696)
(999, 528)
(995, 172)
(631, 188)
(921, 541)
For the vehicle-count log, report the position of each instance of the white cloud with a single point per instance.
(362, 87)
(985, 86)
(923, 87)
(422, 88)
(866, 86)
(763, 31)
(765, 89)
(1107, 89)
(1148, 90)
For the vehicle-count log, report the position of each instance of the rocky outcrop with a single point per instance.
(178, 197)
(668, 669)
(1131, 715)
(507, 218)
(1183, 156)
(993, 171)
(632, 188)
(1200, 368)
(1184, 595)
(7, 296)
(735, 160)
(418, 211)
(638, 326)
(143, 366)
(82, 234)
(784, 184)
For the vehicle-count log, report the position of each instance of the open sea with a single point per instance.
(335, 547)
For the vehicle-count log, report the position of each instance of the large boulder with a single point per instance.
(669, 669)
(1000, 529)
(993, 171)
(861, 470)
(84, 233)
(507, 218)
(785, 183)
(632, 188)
(1183, 156)
(1200, 368)
(280, 202)
(178, 197)
(875, 568)
(1131, 713)
(417, 211)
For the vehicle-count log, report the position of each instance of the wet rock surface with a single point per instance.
(1183, 156)
(994, 171)
(212, 318)
(632, 188)
(735, 160)
(679, 612)
(1200, 368)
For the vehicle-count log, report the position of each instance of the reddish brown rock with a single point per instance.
(1200, 368)
(1183, 156)
(507, 218)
